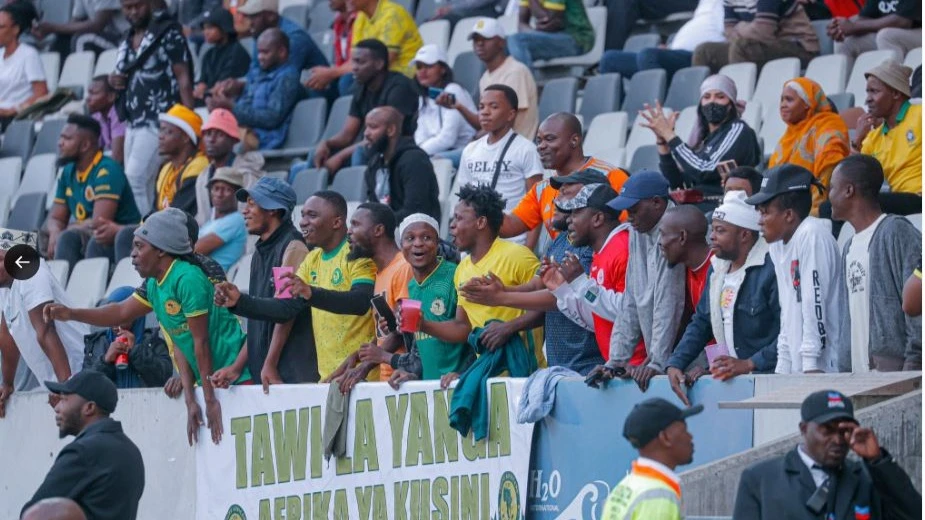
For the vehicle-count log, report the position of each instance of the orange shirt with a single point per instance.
(393, 282)
(537, 205)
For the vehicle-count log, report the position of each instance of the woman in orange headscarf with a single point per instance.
(816, 137)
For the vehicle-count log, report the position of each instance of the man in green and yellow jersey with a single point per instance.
(205, 337)
(332, 283)
(92, 200)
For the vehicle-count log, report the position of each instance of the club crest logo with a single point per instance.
(172, 307)
(438, 307)
(235, 512)
(337, 276)
(509, 498)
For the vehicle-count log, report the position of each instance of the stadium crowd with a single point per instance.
(727, 255)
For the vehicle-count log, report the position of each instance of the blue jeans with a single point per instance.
(535, 45)
(629, 63)
(455, 156)
(670, 60)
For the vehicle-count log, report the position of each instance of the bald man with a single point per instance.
(265, 107)
(55, 509)
(559, 144)
(683, 240)
(399, 173)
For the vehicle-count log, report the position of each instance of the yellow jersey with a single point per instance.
(337, 335)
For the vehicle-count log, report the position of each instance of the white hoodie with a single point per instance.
(813, 301)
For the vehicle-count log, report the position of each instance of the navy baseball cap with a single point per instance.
(782, 179)
(579, 177)
(640, 186)
(650, 417)
(270, 193)
(827, 405)
(91, 385)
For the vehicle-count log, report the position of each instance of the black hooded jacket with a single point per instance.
(411, 180)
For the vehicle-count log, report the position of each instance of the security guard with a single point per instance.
(652, 490)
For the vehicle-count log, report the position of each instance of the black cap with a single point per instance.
(650, 417)
(782, 179)
(92, 386)
(579, 177)
(827, 405)
(220, 18)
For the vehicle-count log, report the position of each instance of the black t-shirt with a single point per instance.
(229, 61)
(397, 91)
(910, 9)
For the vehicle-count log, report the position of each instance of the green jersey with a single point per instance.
(437, 294)
(186, 292)
(103, 179)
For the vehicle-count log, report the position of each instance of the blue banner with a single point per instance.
(579, 453)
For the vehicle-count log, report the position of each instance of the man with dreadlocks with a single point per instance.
(206, 337)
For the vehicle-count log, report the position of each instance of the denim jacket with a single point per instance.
(267, 103)
(755, 320)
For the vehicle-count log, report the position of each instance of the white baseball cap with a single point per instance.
(487, 28)
(430, 54)
(259, 6)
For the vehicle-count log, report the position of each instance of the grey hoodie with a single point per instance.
(653, 303)
(895, 251)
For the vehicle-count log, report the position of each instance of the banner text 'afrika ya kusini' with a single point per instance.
(403, 460)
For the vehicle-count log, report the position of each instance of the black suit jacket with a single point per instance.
(101, 470)
(779, 489)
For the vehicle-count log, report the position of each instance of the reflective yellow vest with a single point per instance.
(644, 494)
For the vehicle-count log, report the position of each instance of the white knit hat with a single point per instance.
(735, 211)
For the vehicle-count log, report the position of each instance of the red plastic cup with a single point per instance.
(122, 359)
(278, 273)
(410, 315)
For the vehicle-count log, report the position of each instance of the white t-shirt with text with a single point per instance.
(521, 162)
(857, 280)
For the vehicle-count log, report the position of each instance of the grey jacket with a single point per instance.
(653, 303)
(895, 251)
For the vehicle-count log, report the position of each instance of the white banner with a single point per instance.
(403, 460)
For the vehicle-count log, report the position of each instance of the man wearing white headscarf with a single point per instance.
(719, 136)
(437, 349)
(741, 292)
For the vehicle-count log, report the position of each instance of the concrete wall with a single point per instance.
(710, 489)
(29, 444)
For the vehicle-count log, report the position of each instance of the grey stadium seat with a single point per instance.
(601, 95)
(467, 70)
(321, 17)
(47, 139)
(645, 158)
(351, 183)
(28, 213)
(685, 87)
(338, 116)
(638, 42)
(647, 86)
(17, 140)
(558, 96)
(304, 130)
(309, 181)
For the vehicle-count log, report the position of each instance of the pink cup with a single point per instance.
(278, 272)
(714, 351)
(410, 315)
